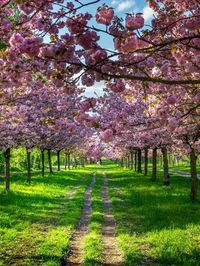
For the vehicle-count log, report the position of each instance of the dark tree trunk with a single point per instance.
(145, 161)
(165, 167)
(50, 162)
(131, 160)
(122, 162)
(58, 158)
(154, 164)
(135, 161)
(66, 163)
(139, 168)
(193, 171)
(28, 157)
(128, 160)
(69, 162)
(7, 169)
(42, 153)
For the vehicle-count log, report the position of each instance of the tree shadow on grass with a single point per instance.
(163, 218)
(31, 260)
(178, 259)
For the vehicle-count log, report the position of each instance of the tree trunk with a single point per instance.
(7, 170)
(145, 161)
(50, 162)
(122, 162)
(193, 171)
(42, 152)
(69, 162)
(131, 160)
(139, 168)
(165, 167)
(58, 158)
(28, 156)
(128, 160)
(66, 163)
(154, 164)
(135, 161)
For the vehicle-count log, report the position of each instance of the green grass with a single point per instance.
(92, 244)
(157, 225)
(183, 168)
(37, 220)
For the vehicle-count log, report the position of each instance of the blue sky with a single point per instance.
(121, 7)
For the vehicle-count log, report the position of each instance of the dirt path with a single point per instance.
(75, 253)
(111, 255)
(180, 173)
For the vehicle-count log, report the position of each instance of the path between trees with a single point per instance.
(75, 251)
(181, 173)
(111, 255)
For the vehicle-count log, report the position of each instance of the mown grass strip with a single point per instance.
(36, 221)
(92, 244)
(157, 225)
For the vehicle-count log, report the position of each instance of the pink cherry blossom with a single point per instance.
(104, 15)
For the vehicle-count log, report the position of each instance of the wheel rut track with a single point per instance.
(74, 256)
(111, 256)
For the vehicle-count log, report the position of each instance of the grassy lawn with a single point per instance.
(184, 168)
(92, 244)
(37, 220)
(157, 225)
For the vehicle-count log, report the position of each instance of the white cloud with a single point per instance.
(95, 91)
(114, 2)
(125, 5)
(147, 13)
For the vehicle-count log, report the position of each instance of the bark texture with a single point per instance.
(28, 158)
(50, 162)
(154, 165)
(7, 169)
(193, 171)
(166, 181)
(42, 155)
(145, 161)
(58, 160)
(139, 164)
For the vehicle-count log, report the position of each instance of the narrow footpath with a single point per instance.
(74, 257)
(180, 173)
(111, 254)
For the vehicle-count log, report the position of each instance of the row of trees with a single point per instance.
(137, 127)
(50, 49)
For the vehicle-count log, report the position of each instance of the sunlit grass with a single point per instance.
(92, 244)
(37, 220)
(157, 225)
